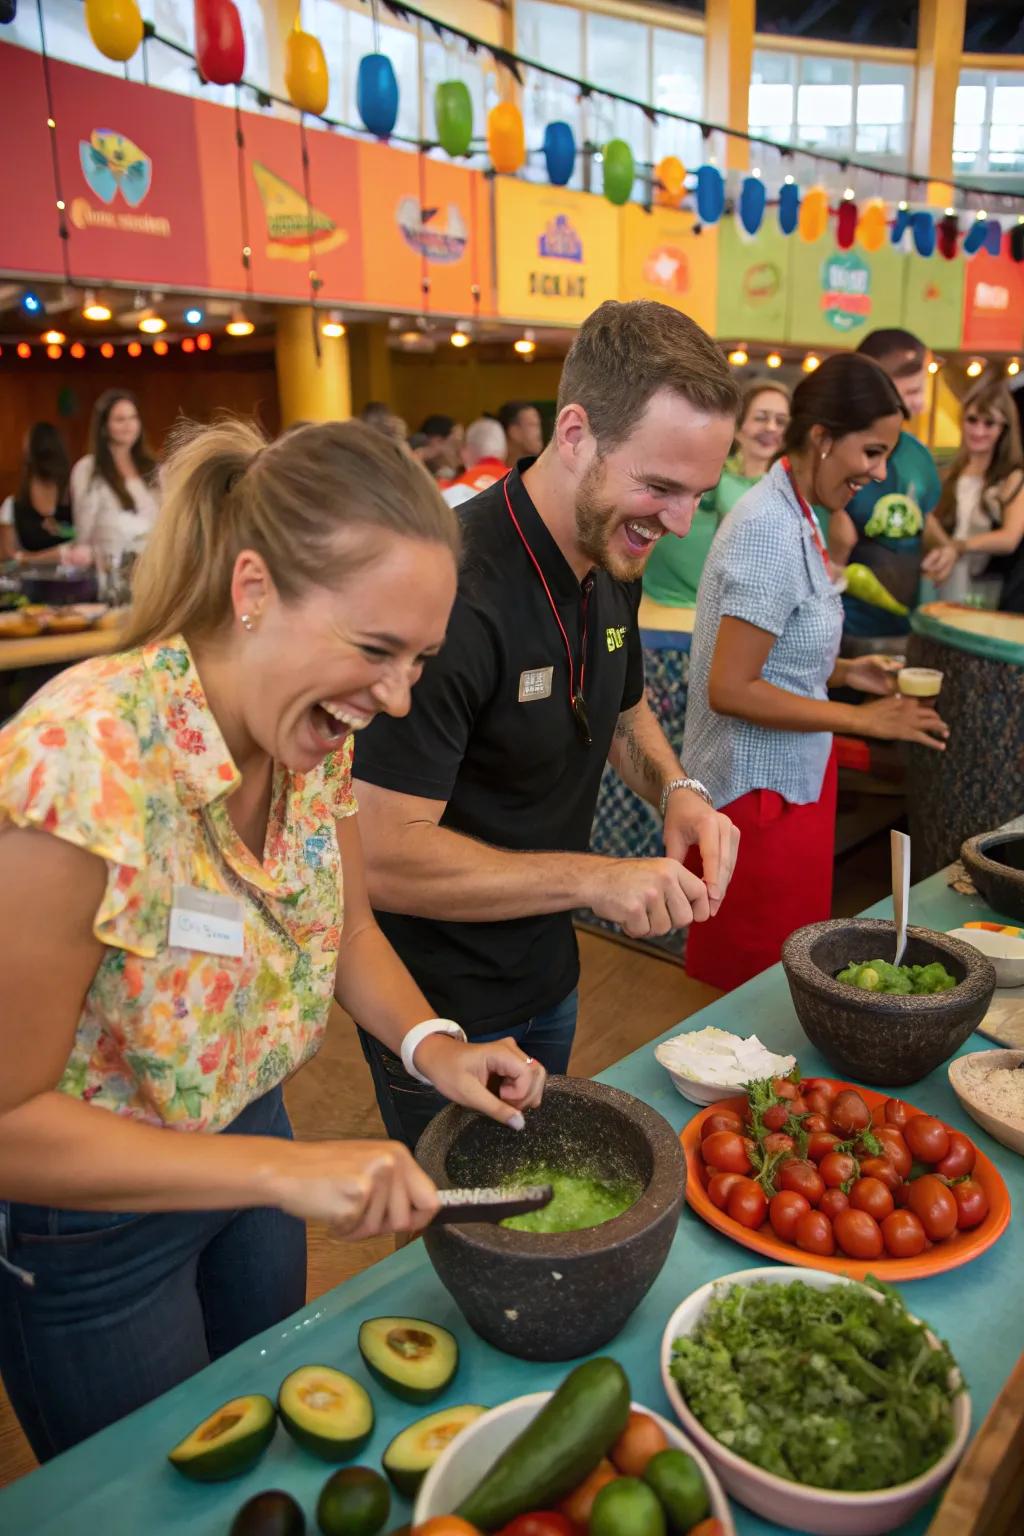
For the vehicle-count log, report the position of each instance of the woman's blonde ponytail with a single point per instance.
(227, 489)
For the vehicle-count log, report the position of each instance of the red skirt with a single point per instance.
(782, 880)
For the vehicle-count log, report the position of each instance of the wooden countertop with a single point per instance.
(55, 650)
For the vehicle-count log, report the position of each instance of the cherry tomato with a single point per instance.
(721, 1120)
(540, 1522)
(880, 1168)
(747, 1204)
(820, 1143)
(959, 1159)
(641, 1439)
(784, 1089)
(903, 1235)
(814, 1233)
(832, 1202)
(446, 1525)
(814, 1122)
(578, 1504)
(798, 1106)
(784, 1210)
(707, 1528)
(726, 1151)
(897, 1113)
(858, 1234)
(895, 1149)
(802, 1178)
(933, 1203)
(927, 1139)
(849, 1112)
(819, 1102)
(871, 1195)
(818, 1085)
(778, 1141)
(837, 1168)
(720, 1186)
(776, 1117)
(971, 1204)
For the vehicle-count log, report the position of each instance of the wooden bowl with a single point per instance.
(1008, 1130)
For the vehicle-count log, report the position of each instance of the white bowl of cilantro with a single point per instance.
(838, 1414)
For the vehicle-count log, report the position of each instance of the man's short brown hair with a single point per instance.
(624, 354)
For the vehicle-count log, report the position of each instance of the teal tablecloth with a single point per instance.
(118, 1483)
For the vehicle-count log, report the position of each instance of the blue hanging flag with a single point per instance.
(559, 153)
(789, 207)
(377, 94)
(710, 194)
(900, 224)
(750, 210)
(994, 237)
(924, 233)
(975, 237)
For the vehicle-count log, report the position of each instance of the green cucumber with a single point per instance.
(558, 1449)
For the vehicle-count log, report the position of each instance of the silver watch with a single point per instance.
(694, 784)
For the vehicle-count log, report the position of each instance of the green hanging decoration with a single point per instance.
(619, 171)
(453, 117)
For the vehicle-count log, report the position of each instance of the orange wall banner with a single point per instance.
(993, 303)
(129, 172)
(426, 233)
(558, 252)
(29, 241)
(663, 258)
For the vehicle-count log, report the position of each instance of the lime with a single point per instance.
(353, 1502)
(627, 1507)
(676, 1479)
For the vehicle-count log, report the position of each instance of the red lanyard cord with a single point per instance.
(806, 510)
(576, 700)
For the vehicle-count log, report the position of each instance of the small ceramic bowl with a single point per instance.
(795, 1506)
(1004, 949)
(1008, 1129)
(694, 1090)
(458, 1470)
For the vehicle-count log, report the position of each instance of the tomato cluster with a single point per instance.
(828, 1176)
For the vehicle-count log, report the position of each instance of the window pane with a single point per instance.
(1006, 147)
(678, 84)
(1008, 104)
(771, 103)
(771, 110)
(970, 103)
(617, 57)
(823, 106)
(549, 32)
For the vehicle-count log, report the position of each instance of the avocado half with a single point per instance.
(413, 1358)
(326, 1411)
(228, 1443)
(414, 1450)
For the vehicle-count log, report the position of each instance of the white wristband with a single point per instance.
(415, 1037)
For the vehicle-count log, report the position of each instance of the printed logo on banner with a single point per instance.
(667, 267)
(112, 164)
(992, 297)
(761, 283)
(559, 241)
(294, 227)
(421, 229)
(846, 300)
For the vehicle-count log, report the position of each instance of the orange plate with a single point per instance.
(956, 1250)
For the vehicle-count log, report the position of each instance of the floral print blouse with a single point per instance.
(122, 757)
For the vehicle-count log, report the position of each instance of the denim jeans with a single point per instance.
(407, 1106)
(122, 1307)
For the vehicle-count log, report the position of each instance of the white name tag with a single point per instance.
(206, 921)
(535, 684)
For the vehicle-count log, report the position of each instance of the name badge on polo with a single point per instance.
(206, 921)
(535, 684)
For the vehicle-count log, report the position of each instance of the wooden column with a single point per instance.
(729, 57)
(940, 41)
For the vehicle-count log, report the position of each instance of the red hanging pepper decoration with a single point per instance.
(220, 42)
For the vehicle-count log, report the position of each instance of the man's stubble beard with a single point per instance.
(595, 520)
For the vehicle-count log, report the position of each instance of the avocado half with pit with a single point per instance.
(414, 1359)
(326, 1411)
(228, 1443)
(414, 1450)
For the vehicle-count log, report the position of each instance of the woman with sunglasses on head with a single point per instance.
(182, 898)
(759, 721)
(982, 501)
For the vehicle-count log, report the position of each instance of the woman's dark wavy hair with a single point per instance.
(103, 458)
(846, 394)
(46, 458)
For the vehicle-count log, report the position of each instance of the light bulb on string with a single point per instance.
(1013, 367)
(204, 342)
(239, 324)
(193, 316)
(188, 344)
(526, 346)
(333, 327)
(135, 349)
(77, 350)
(773, 360)
(739, 357)
(93, 309)
(459, 339)
(160, 348)
(54, 352)
(975, 368)
(54, 338)
(24, 350)
(152, 323)
(107, 350)
(933, 367)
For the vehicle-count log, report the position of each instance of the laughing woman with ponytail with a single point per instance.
(181, 900)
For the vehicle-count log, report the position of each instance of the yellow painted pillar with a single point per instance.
(370, 358)
(729, 58)
(940, 41)
(310, 389)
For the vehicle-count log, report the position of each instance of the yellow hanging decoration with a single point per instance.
(115, 26)
(670, 174)
(813, 215)
(506, 137)
(305, 71)
(873, 225)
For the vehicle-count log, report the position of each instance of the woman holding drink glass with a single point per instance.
(765, 653)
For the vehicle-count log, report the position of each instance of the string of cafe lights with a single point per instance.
(740, 357)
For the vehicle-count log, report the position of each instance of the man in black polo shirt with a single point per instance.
(477, 807)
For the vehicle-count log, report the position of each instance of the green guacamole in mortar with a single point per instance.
(580, 1200)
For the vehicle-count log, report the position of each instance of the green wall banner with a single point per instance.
(753, 279)
(836, 297)
(933, 301)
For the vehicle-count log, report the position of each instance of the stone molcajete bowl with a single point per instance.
(556, 1296)
(879, 1037)
(995, 862)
